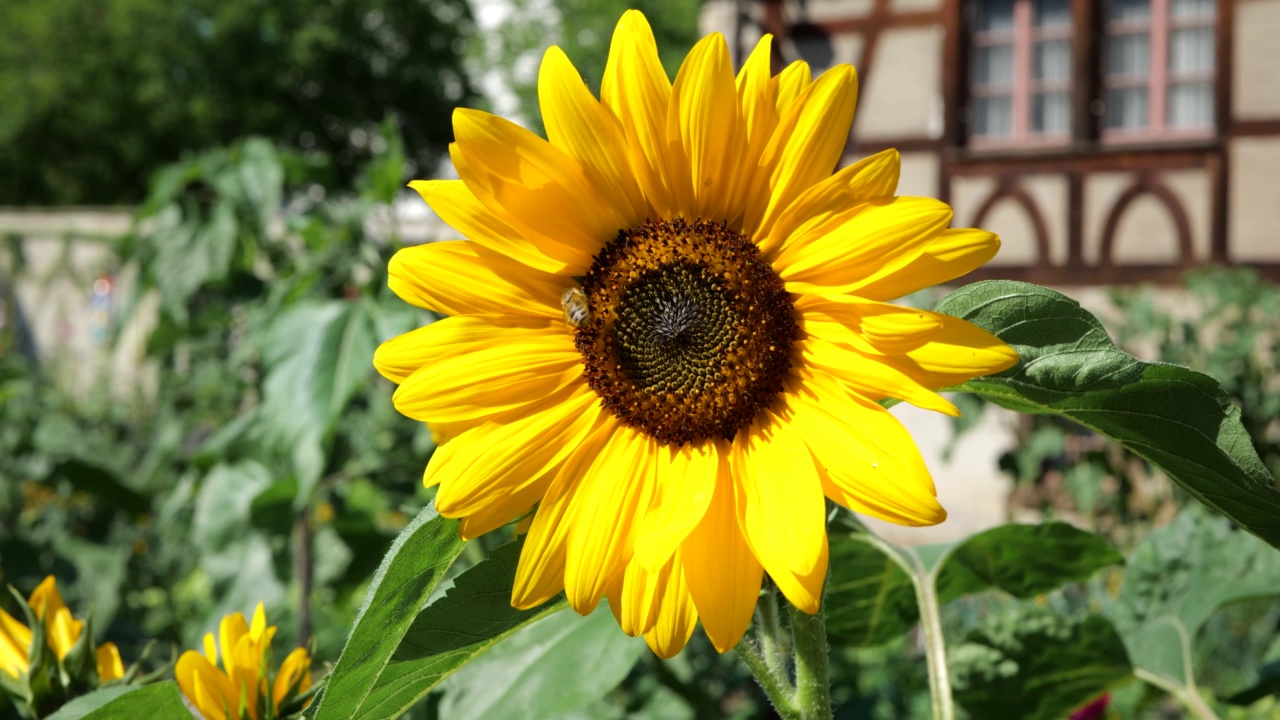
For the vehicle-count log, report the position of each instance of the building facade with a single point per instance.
(1106, 141)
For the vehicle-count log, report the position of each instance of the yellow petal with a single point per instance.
(295, 673)
(686, 480)
(461, 278)
(722, 574)
(211, 648)
(676, 615)
(872, 377)
(757, 100)
(504, 457)
(960, 351)
(792, 81)
(867, 326)
(540, 572)
(230, 630)
(951, 254)
(868, 179)
(110, 666)
(63, 631)
(708, 134)
(781, 510)
(638, 91)
(641, 588)
(504, 508)
(820, 131)
(607, 507)
(515, 367)
(458, 206)
(45, 599)
(15, 644)
(207, 689)
(399, 357)
(838, 254)
(871, 465)
(588, 131)
(543, 192)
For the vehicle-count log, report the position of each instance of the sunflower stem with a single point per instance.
(813, 685)
(776, 686)
(935, 647)
(769, 631)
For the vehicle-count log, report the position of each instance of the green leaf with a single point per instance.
(1023, 560)
(525, 676)
(410, 572)
(1033, 664)
(127, 702)
(473, 615)
(1179, 576)
(1178, 419)
(870, 599)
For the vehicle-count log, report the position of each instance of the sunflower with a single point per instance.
(669, 332)
(240, 688)
(62, 632)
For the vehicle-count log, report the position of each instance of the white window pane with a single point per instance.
(1191, 9)
(1051, 60)
(1191, 50)
(1051, 113)
(1052, 13)
(1129, 54)
(993, 65)
(1127, 108)
(993, 116)
(1128, 9)
(1191, 105)
(994, 15)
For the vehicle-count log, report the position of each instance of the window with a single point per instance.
(1020, 78)
(1158, 68)
(1155, 61)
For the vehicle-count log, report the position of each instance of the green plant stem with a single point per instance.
(935, 647)
(813, 685)
(1188, 696)
(776, 686)
(769, 631)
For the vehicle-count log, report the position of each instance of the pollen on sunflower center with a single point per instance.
(690, 332)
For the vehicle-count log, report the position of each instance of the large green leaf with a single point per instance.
(1023, 560)
(525, 678)
(870, 599)
(411, 570)
(1033, 664)
(871, 595)
(1179, 576)
(127, 702)
(473, 615)
(1176, 418)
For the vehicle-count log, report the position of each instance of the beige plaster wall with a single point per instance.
(1254, 200)
(1255, 92)
(903, 95)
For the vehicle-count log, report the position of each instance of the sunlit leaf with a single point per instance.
(1033, 664)
(1179, 576)
(411, 570)
(126, 702)
(1176, 418)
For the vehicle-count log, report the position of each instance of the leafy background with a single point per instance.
(260, 458)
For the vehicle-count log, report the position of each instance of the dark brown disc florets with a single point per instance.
(689, 333)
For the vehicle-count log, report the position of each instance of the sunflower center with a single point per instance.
(689, 332)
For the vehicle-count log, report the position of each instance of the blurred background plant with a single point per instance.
(257, 457)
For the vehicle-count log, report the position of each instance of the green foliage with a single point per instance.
(1178, 419)
(1177, 579)
(1034, 664)
(161, 700)
(93, 99)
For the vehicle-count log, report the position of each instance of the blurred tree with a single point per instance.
(96, 95)
(582, 28)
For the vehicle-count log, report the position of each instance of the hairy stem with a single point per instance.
(775, 686)
(813, 685)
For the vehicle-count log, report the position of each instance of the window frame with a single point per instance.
(1089, 41)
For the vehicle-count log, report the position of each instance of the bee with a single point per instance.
(574, 302)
